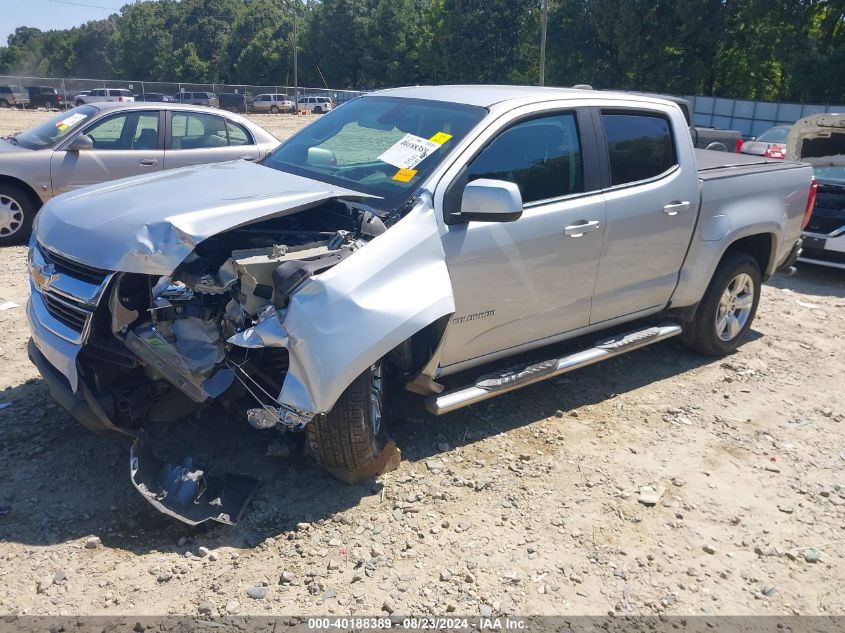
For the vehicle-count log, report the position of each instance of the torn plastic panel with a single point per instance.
(187, 492)
(342, 321)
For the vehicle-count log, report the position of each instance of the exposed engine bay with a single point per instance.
(164, 350)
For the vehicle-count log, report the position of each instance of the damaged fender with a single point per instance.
(344, 320)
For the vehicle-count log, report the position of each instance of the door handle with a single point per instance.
(148, 162)
(579, 228)
(674, 207)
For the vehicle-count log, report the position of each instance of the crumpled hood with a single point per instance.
(150, 224)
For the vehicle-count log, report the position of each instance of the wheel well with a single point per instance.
(760, 247)
(34, 197)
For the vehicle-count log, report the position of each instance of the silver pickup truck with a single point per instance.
(417, 237)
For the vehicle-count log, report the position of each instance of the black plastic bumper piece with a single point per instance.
(81, 405)
(187, 492)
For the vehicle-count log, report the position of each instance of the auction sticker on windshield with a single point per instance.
(73, 119)
(408, 152)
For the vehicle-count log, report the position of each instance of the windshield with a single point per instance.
(46, 134)
(384, 146)
(775, 135)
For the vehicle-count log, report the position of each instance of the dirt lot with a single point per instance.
(525, 504)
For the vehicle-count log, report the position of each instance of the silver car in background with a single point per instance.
(94, 143)
(771, 143)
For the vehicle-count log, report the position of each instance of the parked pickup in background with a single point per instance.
(416, 237)
(819, 139)
(119, 95)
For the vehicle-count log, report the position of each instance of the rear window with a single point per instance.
(639, 145)
(775, 135)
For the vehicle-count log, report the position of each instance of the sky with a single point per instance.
(53, 14)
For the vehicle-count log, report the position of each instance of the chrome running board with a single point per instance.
(497, 383)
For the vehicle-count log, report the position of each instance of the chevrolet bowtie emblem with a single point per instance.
(44, 275)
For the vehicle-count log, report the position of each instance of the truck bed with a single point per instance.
(712, 165)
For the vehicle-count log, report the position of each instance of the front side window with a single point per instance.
(134, 130)
(197, 131)
(639, 146)
(541, 156)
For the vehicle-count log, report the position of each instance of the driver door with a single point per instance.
(530, 279)
(125, 144)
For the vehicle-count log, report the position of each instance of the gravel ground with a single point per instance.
(535, 502)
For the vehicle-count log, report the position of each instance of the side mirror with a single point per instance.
(486, 200)
(82, 142)
(319, 157)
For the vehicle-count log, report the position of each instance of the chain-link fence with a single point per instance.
(68, 89)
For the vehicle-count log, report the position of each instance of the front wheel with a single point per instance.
(318, 110)
(350, 440)
(727, 309)
(16, 214)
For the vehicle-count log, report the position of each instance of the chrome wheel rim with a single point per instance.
(735, 307)
(11, 216)
(375, 398)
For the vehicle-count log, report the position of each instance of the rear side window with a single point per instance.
(640, 146)
(542, 156)
(237, 134)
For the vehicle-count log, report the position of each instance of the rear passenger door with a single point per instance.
(651, 195)
(195, 138)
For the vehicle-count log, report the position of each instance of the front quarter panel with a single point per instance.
(29, 166)
(344, 320)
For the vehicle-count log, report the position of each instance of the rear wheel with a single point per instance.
(274, 109)
(728, 307)
(4, 103)
(350, 440)
(16, 214)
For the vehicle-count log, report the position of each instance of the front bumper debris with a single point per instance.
(189, 493)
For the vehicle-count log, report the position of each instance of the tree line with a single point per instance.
(789, 50)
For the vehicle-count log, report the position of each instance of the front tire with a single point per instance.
(350, 440)
(17, 211)
(318, 110)
(728, 307)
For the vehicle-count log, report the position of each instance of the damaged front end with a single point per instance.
(154, 348)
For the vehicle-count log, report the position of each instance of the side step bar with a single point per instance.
(497, 383)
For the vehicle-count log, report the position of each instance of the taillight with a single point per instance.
(774, 151)
(811, 202)
(738, 145)
(120, 99)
